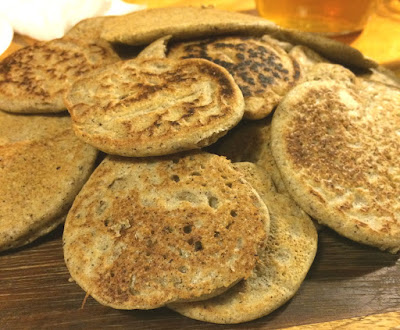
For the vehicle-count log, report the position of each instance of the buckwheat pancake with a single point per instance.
(154, 107)
(144, 232)
(337, 151)
(145, 26)
(34, 79)
(333, 50)
(315, 67)
(250, 142)
(306, 58)
(331, 72)
(43, 165)
(284, 262)
(263, 71)
(188, 23)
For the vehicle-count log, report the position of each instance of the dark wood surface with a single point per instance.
(346, 280)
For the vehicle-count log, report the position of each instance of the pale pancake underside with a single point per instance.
(42, 167)
(147, 231)
(337, 150)
(284, 262)
(154, 107)
(143, 27)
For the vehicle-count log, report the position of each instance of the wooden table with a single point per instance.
(349, 286)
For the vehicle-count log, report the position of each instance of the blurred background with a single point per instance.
(372, 26)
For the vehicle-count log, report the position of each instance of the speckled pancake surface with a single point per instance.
(263, 71)
(34, 78)
(284, 262)
(337, 150)
(43, 165)
(144, 232)
(155, 107)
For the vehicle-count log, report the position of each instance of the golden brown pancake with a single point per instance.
(144, 232)
(154, 107)
(284, 262)
(34, 78)
(337, 148)
(43, 165)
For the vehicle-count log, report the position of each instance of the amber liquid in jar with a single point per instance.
(328, 17)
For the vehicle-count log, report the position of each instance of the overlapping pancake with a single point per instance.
(263, 71)
(337, 150)
(34, 78)
(188, 23)
(43, 165)
(306, 57)
(335, 51)
(143, 27)
(144, 232)
(284, 262)
(154, 107)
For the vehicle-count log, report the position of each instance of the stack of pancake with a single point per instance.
(221, 135)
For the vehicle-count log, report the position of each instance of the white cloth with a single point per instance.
(50, 19)
(6, 35)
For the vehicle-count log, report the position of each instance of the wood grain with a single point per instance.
(379, 321)
(346, 280)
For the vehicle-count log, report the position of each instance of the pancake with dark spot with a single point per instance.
(34, 78)
(144, 232)
(284, 261)
(154, 107)
(263, 71)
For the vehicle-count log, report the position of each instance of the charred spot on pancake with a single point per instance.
(251, 63)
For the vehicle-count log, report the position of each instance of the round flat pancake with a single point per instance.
(43, 165)
(154, 107)
(144, 232)
(263, 71)
(34, 79)
(145, 26)
(284, 262)
(337, 150)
